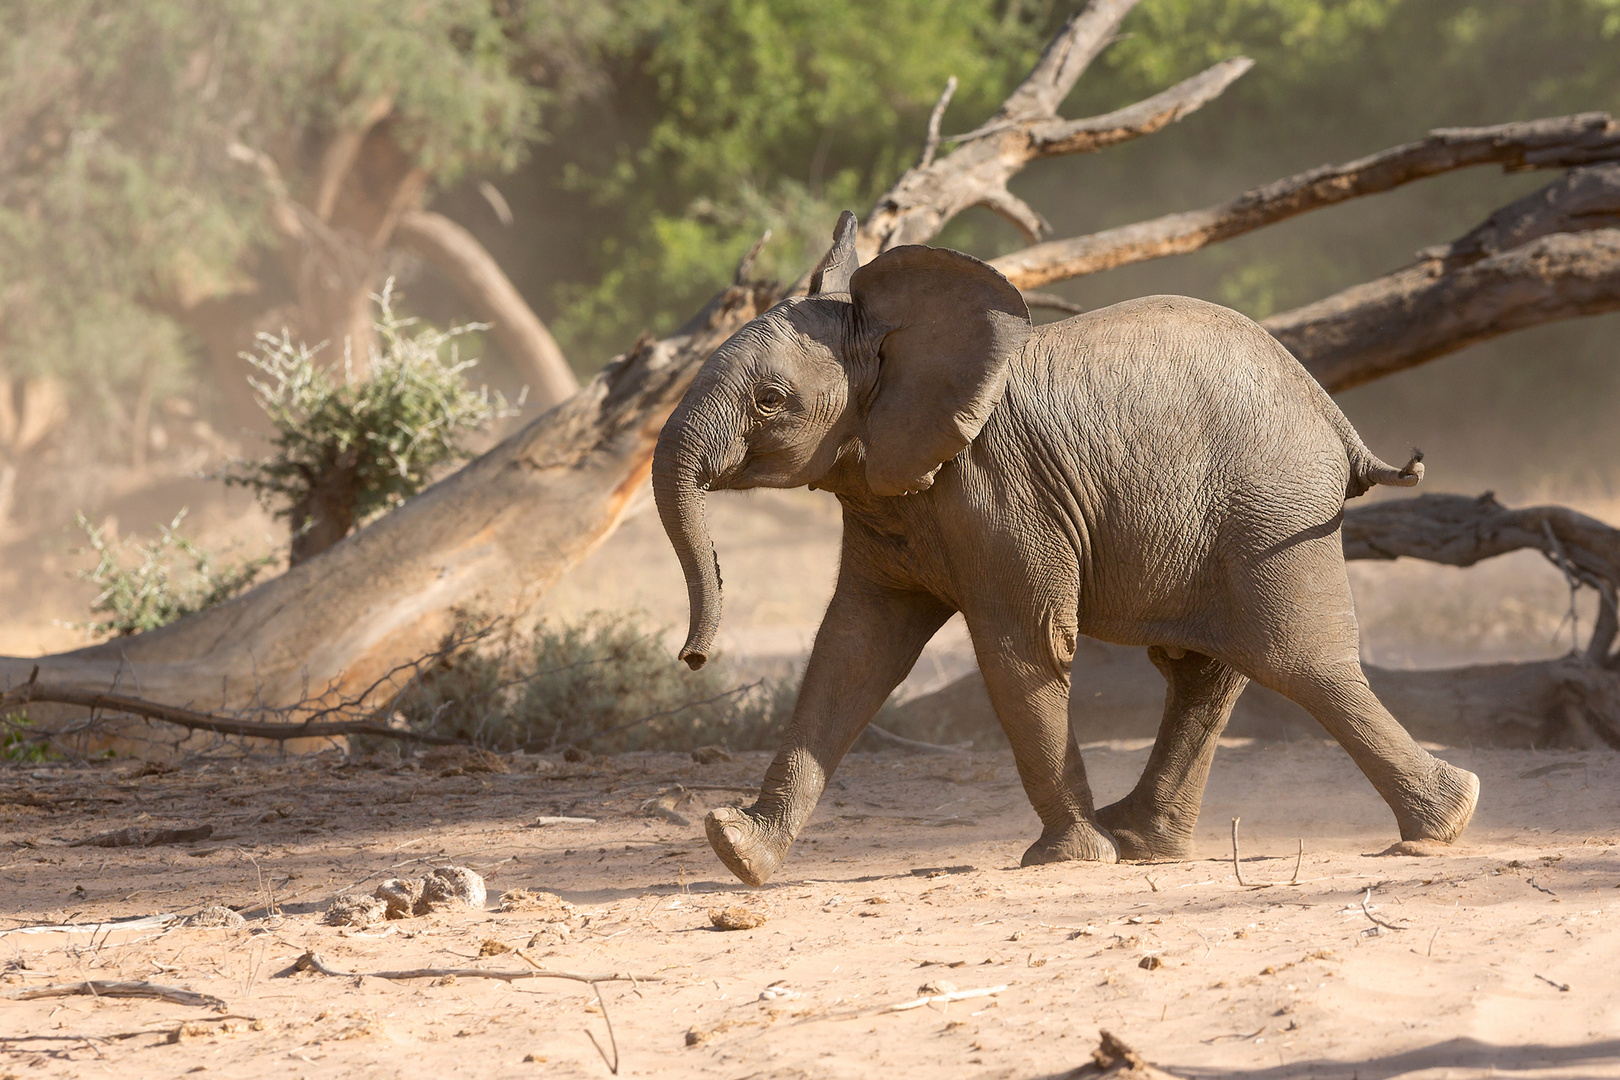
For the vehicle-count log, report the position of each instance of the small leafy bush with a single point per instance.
(19, 744)
(171, 577)
(347, 449)
(602, 684)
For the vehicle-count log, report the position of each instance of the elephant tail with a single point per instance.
(1366, 470)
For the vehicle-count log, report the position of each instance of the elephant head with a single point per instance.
(884, 372)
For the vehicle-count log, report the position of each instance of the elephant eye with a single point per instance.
(770, 398)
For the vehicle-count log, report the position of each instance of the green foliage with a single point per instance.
(171, 577)
(19, 743)
(728, 117)
(602, 684)
(119, 203)
(386, 433)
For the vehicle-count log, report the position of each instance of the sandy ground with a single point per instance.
(1507, 963)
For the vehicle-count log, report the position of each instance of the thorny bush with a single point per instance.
(349, 449)
(171, 577)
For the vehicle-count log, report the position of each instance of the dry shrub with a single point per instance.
(604, 683)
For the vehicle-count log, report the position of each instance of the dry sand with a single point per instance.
(1507, 963)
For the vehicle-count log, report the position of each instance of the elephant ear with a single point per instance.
(832, 273)
(949, 327)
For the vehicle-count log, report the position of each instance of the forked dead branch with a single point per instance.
(496, 535)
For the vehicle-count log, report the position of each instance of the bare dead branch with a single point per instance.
(1423, 312)
(745, 265)
(1024, 217)
(1088, 32)
(223, 725)
(477, 276)
(1113, 1060)
(1582, 199)
(102, 988)
(1554, 142)
(1027, 127)
(1456, 530)
(339, 156)
(931, 143)
(1053, 301)
(1143, 118)
(1365, 910)
(314, 961)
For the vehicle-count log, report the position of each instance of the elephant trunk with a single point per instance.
(678, 485)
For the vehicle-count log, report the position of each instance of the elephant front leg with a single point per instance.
(1156, 820)
(1032, 702)
(868, 642)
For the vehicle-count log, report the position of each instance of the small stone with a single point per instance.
(736, 918)
(493, 947)
(711, 755)
(575, 754)
(1150, 963)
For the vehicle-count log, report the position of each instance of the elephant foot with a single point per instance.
(1080, 842)
(1442, 806)
(748, 849)
(1145, 837)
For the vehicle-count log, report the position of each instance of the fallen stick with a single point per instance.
(954, 995)
(149, 922)
(200, 721)
(1376, 920)
(314, 961)
(900, 742)
(1299, 859)
(1237, 869)
(101, 988)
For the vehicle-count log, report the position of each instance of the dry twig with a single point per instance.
(314, 961)
(103, 988)
(1299, 858)
(1376, 920)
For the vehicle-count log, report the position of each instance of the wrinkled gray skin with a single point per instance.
(1159, 473)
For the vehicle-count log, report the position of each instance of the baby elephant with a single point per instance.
(1161, 472)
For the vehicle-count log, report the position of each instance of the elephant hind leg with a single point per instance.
(1155, 821)
(1432, 799)
(1297, 635)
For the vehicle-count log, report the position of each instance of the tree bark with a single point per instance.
(478, 277)
(1423, 312)
(1556, 142)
